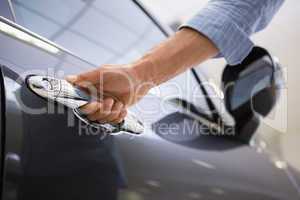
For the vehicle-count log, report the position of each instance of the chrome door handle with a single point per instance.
(61, 91)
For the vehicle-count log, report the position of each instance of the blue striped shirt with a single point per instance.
(229, 24)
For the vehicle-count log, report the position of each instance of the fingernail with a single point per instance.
(71, 78)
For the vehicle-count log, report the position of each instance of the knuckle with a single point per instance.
(118, 105)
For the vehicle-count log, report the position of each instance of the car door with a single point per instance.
(50, 154)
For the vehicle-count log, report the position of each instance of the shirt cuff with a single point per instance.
(233, 43)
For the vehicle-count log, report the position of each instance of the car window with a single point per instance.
(98, 31)
(102, 31)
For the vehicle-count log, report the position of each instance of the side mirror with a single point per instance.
(251, 89)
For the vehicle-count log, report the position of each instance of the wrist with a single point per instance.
(143, 71)
(180, 52)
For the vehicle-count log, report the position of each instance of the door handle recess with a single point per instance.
(61, 91)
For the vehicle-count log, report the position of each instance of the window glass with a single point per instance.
(99, 31)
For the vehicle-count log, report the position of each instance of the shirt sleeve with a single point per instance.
(229, 24)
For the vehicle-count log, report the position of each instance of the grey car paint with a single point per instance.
(45, 157)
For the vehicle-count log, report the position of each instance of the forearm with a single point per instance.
(180, 52)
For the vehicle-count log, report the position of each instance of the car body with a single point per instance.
(45, 154)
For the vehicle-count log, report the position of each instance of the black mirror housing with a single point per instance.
(251, 89)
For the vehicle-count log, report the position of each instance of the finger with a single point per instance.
(91, 108)
(92, 77)
(121, 117)
(104, 111)
(115, 112)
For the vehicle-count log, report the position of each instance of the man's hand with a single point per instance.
(115, 87)
(123, 85)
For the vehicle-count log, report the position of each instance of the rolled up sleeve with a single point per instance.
(230, 23)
